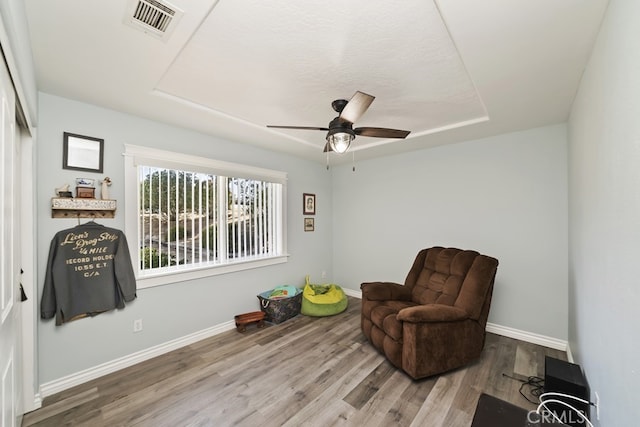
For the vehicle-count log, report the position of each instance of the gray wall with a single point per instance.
(604, 213)
(504, 196)
(401, 198)
(170, 311)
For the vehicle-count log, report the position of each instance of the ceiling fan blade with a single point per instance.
(382, 132)
(297, 127)
(356, 107)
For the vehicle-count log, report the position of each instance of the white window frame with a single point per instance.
(135, 155)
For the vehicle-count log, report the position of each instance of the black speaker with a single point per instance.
(566, 378)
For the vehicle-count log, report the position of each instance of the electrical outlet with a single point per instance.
(324, 274)
(597, 403)
(137, 325)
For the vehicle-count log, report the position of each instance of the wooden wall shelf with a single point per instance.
(62, 207)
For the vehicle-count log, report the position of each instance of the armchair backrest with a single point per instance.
(454, 277)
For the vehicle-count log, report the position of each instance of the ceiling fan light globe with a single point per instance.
(340, 141)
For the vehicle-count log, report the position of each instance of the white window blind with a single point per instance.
(196, 214)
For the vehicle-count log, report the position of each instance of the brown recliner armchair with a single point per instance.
(436, 321)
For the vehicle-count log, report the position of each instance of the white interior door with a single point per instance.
(10, 315)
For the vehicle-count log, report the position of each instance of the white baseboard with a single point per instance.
(89, 374)
(56, 386)
(353, 293)
(569, 354)
(531, 337)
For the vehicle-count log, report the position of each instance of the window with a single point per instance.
(190, 217)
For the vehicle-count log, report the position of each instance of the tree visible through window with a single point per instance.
(188, 214)
(189, 218)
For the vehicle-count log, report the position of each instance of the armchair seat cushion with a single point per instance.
(436, 321)
(385, 317)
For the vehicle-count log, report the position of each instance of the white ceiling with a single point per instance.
(448, 70)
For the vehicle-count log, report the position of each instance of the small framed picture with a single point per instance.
(308, 204)
(308, 224)
(82, 153)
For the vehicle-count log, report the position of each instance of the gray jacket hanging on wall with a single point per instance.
(89, 272)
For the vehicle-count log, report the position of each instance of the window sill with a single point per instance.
(168, 277)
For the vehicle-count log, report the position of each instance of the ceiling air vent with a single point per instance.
(156, 18)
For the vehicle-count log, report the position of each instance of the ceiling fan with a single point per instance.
(341, 132)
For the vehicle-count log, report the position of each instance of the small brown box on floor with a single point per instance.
(242, 320)
(85, 192)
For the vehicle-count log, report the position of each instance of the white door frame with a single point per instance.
(25, 136)
(30, 388)
(10, 306)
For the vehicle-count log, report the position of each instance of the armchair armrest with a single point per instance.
(384, 291)
(432, 313)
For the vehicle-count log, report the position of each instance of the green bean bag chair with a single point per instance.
(322, 300)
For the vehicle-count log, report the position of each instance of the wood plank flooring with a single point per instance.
(303, 372)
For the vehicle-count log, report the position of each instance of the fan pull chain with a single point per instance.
(327, 159)
(353, 160)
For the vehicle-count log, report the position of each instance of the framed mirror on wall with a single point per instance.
(82, 153)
